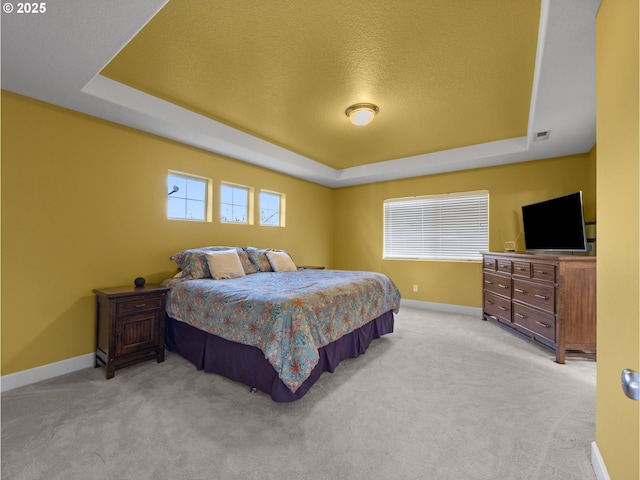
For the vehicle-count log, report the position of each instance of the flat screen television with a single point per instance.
(556, 224)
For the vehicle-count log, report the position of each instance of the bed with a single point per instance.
(273, 328)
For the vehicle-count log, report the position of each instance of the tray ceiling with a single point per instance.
(459, 84)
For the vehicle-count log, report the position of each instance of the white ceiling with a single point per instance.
(56, 57)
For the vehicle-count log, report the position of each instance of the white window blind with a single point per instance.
(450, 227)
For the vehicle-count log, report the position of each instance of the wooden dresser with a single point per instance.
(550, 299)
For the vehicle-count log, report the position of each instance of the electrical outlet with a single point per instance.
(415, 288)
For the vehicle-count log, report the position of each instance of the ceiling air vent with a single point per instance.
(541, 136)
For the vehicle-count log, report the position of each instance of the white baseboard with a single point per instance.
(442, 307)
(33, 375)
(597, 462)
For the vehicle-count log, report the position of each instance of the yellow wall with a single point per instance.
(83, 207)
(618, 170)
(359, 221)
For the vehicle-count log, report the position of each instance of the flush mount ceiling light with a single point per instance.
(361, 113)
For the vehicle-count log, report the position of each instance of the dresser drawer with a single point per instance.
(490, 263)
(522, 269)
(543, 271)
(497, 284)
(140, 304)
(541, 296)
(497, 306)
(504, 266)
(539, 323)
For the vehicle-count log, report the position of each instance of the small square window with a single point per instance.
(235, 204)
(271, 208)
(187, 197)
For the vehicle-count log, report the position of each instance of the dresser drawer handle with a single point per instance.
(140, 305)
(521, 315)
(543, 272)
(488, 282)
(488, 302)
(543, 324)
(521, 269)
(502, 286)
(519, 290)
(502, 308)
(541, 297)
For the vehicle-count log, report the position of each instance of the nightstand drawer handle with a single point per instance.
(488, 302)
(519, 290)
(140, 305)
(502, 308)
(502, 286)
(543, 324)
(541, 297)
(520, 315)
(489, 282)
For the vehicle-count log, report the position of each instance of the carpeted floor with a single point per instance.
(445, 397)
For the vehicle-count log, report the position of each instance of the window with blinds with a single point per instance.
(453, 226)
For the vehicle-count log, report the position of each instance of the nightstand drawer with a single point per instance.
(140, 304)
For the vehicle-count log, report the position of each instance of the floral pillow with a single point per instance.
(258, 257)
(247, 264)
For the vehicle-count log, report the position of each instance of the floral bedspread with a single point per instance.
(287, 315)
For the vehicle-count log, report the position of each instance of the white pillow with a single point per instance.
(224, 264)
(281, 262)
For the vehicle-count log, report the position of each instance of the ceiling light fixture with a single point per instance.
(361, 113)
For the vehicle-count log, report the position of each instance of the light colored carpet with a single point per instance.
(444, 397)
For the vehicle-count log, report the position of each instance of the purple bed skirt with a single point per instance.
(246, 364)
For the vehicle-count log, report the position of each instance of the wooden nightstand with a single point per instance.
(130, 326)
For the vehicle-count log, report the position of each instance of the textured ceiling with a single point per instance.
(460, 84)
(445, 74)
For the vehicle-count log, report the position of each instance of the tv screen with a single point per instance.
(556, 224)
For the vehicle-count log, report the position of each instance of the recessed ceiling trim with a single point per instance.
(176, 123)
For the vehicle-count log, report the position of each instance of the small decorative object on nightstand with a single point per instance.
(130, 326)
